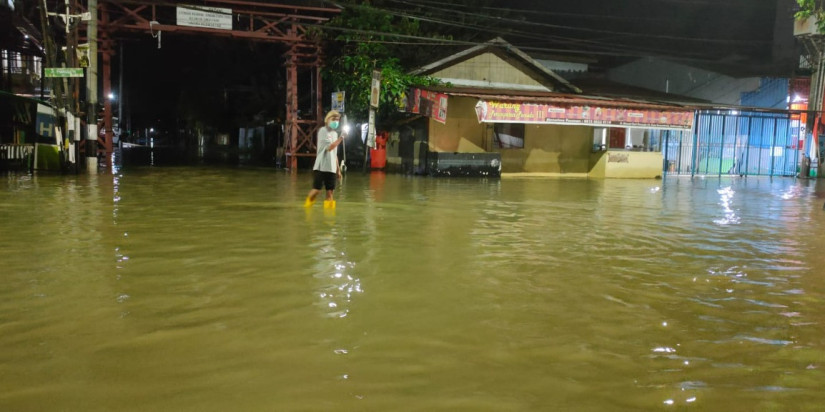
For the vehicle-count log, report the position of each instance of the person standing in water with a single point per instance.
(326, 170)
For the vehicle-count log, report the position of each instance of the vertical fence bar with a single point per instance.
(761, 149)
(748, 146)
(794, 143)
(679, 151)
(707, 137)
(667, 150)
(704, 150)
(722, 144)
(736, 165)
(785, 146)
(773, 143)
(694, 160)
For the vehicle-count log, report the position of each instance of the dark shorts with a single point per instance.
(321, 179)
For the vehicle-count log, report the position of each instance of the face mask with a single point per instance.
(333, 124)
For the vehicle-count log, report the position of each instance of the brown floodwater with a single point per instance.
(213, 289)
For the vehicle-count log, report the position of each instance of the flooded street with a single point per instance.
(213, 289)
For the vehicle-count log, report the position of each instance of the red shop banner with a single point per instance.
(502, 112)
(427, 103)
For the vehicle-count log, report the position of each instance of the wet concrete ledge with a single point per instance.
(545, 175)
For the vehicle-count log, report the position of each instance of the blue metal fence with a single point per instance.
(731, 143)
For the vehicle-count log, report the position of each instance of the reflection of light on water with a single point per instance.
(115, 164)
(115, 208)
(792, 192)
(115, 194)
(336, 275)
(337, 294)
(726, 198)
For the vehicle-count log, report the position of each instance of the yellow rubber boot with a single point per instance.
(329, 204)
(309, 202)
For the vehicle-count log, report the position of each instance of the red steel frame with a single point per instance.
(279, 23)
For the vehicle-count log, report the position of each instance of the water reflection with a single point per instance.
(216, 290)
(337, 277)
(726, 199)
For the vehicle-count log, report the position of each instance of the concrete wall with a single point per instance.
(462, 132)
(626, 164)
(550, 149)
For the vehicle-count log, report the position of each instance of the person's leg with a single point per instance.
(317, 182)
(329, 203)
(329, 182)
(310, 200)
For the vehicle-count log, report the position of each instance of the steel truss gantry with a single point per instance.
(277, 23)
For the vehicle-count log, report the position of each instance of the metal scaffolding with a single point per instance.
(257, 21)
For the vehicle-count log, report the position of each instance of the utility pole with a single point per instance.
(807, 32)
(815, 108)
(51, 56)
(120, 96)
(91, 92)
(375, 93)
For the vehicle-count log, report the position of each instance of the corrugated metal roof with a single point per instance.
(598, 86)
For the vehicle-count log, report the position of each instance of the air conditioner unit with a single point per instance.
(806, 27)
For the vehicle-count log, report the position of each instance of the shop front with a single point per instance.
(568, 136)
(617, 134)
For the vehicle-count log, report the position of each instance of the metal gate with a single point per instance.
(733, 143)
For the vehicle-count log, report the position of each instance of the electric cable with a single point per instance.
(567, 45)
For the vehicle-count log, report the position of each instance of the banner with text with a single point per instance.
(427, 103)
(501, 112)
(203, 16)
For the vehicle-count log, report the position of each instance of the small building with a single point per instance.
(501, 111)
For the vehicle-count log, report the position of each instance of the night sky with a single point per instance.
(737, 37)
(737, 33)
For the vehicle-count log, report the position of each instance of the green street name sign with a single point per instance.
(64, 71)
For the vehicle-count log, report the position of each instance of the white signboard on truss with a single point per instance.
(202, 16)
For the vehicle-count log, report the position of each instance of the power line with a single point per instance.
(448, 42)
(523, 34)
(593, 46)
(589, 44)
(586, 29)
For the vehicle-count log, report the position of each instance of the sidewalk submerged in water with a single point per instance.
(546, 175)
